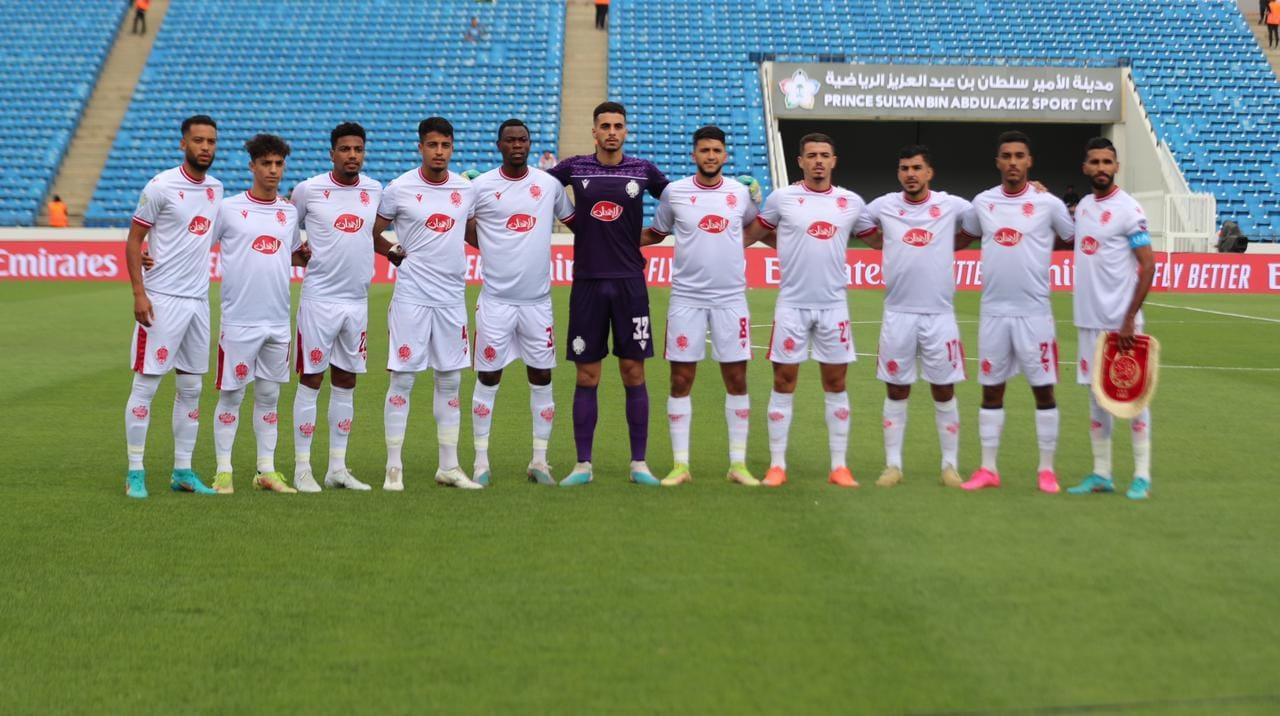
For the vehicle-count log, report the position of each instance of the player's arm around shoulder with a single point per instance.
(1064, 227)
(657, 231)
(968, 225)
(872, 233)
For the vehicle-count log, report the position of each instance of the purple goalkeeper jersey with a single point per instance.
(609, 213)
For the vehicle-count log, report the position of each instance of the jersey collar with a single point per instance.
(925, 200)
(258, 201)
(1114, 190)
(335, 181)
(1025, 187)
(183, 168)
(423, 175)
(700, 185)
(508, 177)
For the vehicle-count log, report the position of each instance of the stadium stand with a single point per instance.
(1209, 90)
(52, 56)
(298, 68)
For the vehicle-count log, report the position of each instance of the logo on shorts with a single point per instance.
(731, 201)
(397, 401)
(934, 211)
(226, 418)
(788, 344)
(453, 402)
(242, 371)
(490, 353)
(364, 197)
(775, 416)
(548, 413)
(521, 223)
(682, 342)
(140, 412)
(579, 345)
(917, 237)
(270, 418)
(265, 245)
(439, 222)
(1089, 246)
(344, 425)
(891, 367)
(1006, 236)
(841, 413)
(162, 355)
(1028, 209)
(821, 230)
(986, 366)
(307, 429)
(742, 413)
(199, 226)
(404, 352)
(1106, 217)
(713, 224)
(1084, 365)
(633, 189)
(606, 211)
(280, 217)
(317, 355)
(481, 410)
(348, 223)
(455, 198)
(535, 191)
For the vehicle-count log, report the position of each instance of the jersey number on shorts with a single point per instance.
(364, 346)
(551, 339)
(642, 328)
(844, 331)
(955, 353)
(1047, 360)
(742, 328)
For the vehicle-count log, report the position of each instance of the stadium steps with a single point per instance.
(585, 77)
(1249, 9)
(87, 155)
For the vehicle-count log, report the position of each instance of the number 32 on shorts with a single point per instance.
(642, 328)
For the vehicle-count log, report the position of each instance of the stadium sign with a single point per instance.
(950, 92)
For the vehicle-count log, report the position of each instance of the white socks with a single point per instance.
(225, 419)
(341, 414)
(947, 418)
(448, 416)
(137, 417)
(737, 413)
(304, 426)
(1100, 423)
(837, 413)
(186, 418)
(895, 427)
(482, 400)
(395, 416)
(990, 425)
(542, 404)
(1141, 429)
(266, 429)
(779, 426)
(1047, 436)
(679, 413)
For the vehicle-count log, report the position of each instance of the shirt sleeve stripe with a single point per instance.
(761, 220)
(143, 222)
(868, 232)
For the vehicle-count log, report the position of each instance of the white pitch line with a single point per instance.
(1216, 313)
(1231, 368)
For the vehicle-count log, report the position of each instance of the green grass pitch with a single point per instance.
(621, 599)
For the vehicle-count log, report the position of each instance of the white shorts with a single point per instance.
(934, 336)
(828, 329)
(1086, 344)
(248, 352)
(506, 331)
(178, 337)
(332, 333)
(687, 334)
(1009, 344)
(425, 337)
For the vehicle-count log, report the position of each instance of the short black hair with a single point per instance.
(195, 119)
(57, 198)
(916, 150)
(346, 129)
(263, 145)
(1013, 136)
(817, 138)
(439, 125)
(710, 131)
(513, 122)
(1100, 143)
(608, 108)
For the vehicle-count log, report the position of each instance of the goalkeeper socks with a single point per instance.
(990, 425)
(225, 419)
(1100, 423)
(1047, 436)
(679, 413)
(137, 417)
(395, 416)
(638, 420)
(1141, 429)
(585, 414)
(779, 427)
(186, 418)
(737, 412)
(895, 427)
(946, 416)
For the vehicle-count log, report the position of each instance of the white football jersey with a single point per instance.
(710, 267)
(514, 221)
(180, 213)
(813, 237)
(430, 220)
(919, 249)
(338, 220)
(1017, 233)
(258, 239)
(1108, 230)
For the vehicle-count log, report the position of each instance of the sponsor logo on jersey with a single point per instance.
(226, 418)
(1006, 236)
(693, 200)
(439, 223)
(713, 224)
(1028, 209)
(326, 193)
(606, 211)
(824, 230)
(418, 197)
(199, 226)
(1089, 245)
(917, 237)
(348, 223)
(182, 195)
(521, 223)
(244, 214)
(265, 245)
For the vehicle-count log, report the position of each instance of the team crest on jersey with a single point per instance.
(271, 418)
(344, 426)
(934, 211)
(842, 203)
(633, 189)
(162, 355)
(140, 412)
(209, 193)
(682, 342)
(404, 352)
(535, 191)
(1089, 246)
(280, 217)
(490, 353)
(364, 197)
(1106, 217)
(731, 201)
(455, 198)
(397, 401)
(1028, 209)
(242, 371)
(226, 418)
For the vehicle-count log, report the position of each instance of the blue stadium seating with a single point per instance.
(299, 67)
(1210, 92)
(52, 53)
